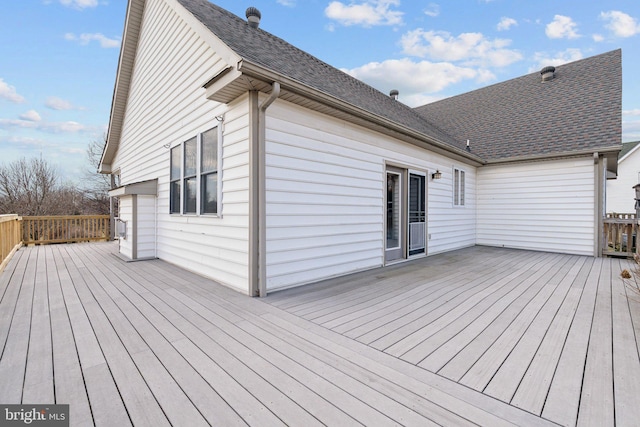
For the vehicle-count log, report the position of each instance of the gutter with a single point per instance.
(600, 173)
(545, 156)
(258, 217)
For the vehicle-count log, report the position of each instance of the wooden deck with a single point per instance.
(480, 336)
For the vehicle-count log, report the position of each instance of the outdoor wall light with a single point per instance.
(436, 175)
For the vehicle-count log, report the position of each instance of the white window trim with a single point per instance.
(198, 212)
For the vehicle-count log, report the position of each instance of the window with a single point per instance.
(209, 172)
(190, 177)
(458, 187)
(175, 176)
(194, 175)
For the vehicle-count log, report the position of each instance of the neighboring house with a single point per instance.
(251, 162)
(620, 192)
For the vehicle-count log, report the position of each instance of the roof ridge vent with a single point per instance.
(548, 73)
(394, 94)
(253, 17)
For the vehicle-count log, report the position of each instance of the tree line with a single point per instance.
(33, 187)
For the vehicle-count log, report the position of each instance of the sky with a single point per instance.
(59, 58)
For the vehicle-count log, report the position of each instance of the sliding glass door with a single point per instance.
(394, 248)
(417, 214)
(405, 216)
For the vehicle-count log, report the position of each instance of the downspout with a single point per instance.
(258, 217)
(600, 177)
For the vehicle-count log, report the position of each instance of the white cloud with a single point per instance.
(635, 112)
(79, 4)
(26, 141)
(414, 80)
(631, 130)
(367, 13)
(506, 23)
(472, 48)
(288, 3)
(597, 38)
(49, 127)
(562, 27)
(86, 38)
(485, 76)
(543, 59)
(620, 24)
(31, 115)
(9, 93)
(60, 104)
(432, 10)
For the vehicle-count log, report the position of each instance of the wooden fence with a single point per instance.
(621, 235)
(42, 230)
(10, 237)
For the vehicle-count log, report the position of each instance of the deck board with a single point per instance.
(455, 356)
(463, 315)
(141, 405)
(14, 356)
(38, 378)
(68, 376)
(106, 403)
(13, 278)
(597, 399)
(159, 335)
(430, 342)
(425, 310)
(563, 397)
(626, 370)
(483, 370)
(507, 378)
(364, 320)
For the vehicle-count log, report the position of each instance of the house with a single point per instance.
(249, 161)
(620, 192)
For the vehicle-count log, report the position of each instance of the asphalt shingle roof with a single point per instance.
(267, 50)
(579, 109)
(626, 147)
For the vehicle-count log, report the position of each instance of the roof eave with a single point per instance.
(143, 188)
(610, 152)
(130, 34)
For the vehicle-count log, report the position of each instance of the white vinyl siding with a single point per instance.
(125, 213)
(146, 227)
(167, 106)
(620, 192)
(545, 206)
(325, 196)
